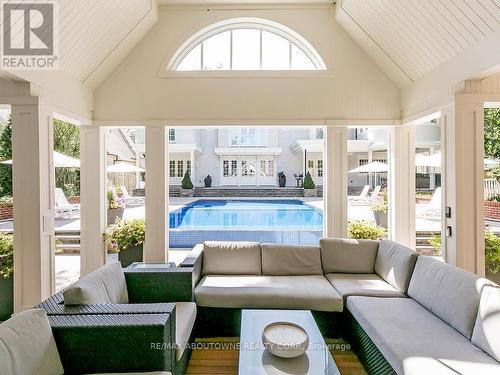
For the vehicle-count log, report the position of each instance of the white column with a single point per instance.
(157, 219)
(93, 200)
(193, 175)
(33, 190)
(401, 184)
(335, 181)
(464, 179)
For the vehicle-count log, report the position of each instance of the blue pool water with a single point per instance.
(276, 221)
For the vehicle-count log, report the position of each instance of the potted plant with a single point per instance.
(309, 186)
(126, 237)
(492, 256)
(6, 276)
(187, 188)
(281, 179)
(365, 230)
(379, 210)
(208, 181)
(116, 207)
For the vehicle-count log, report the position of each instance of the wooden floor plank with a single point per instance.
(209, 361)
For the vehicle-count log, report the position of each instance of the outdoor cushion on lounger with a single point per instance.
(274, 292)
(362, 284)
(231, 258)
(415, 341)
(104, 285)
(290, 260)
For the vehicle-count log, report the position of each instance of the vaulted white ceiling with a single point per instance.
(418, 35)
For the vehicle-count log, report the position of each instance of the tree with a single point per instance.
(6, 154)
(67, 141)
(492, 133)
(308, 182)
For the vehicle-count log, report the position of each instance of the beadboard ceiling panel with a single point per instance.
(419, 35)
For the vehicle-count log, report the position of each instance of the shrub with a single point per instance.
(366, 230)
(6, 202)
(308, 182)
(380, 206)
(494, 198)
(492, 251)
(186, 181)
(126, 233)
(6, 255)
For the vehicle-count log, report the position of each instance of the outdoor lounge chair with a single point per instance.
(362, 195)
(129, 199)
(431, 210)
(372, 198)
(62, 206)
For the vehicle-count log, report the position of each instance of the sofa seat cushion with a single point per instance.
(341, 255)
(27, 345)
(395, 264)
(362, 284)
(185, 316)
(275, 292)
(448, 292)
(104, 285)
(290, 260)
(231, 258)
(409, 336)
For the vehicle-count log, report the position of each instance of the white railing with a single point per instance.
(491, 188)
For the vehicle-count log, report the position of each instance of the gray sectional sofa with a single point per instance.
(405, 314)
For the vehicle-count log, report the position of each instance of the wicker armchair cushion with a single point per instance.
(231, 258)
(104, 285)
(290, 260)
(395, 264)
(27, 345)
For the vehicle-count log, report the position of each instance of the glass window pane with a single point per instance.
(300, 61)
(216, 52)
(192, 61)
(246, 49)
(275, 52)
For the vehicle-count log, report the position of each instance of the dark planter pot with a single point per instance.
(495, 277)
(381, 219)
(130, 255)
(208, 181)
(113, 213)
(6, 298)
(282, 182)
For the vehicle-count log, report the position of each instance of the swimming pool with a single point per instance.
(276, 221)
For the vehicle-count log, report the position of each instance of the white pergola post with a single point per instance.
(93, 200)
(33, 190)
(401, 184)
(193, 178)
(157, 219)
(335, 184)
(463, 124)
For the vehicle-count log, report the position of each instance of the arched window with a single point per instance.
(246, 44)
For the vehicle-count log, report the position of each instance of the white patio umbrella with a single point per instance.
(490, 163)
(433, 160)
(373, 167)
(124, 168)
(60, 161)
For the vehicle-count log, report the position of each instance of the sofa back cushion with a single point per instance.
(340, 255)
(104, 285)
(290, 260)
(27, 345)
(395, 264)
(448, 292)
(486, 334)
(231, 258)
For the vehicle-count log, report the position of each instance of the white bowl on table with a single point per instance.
(285, 339)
